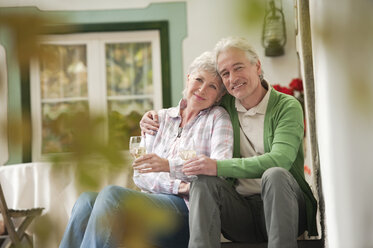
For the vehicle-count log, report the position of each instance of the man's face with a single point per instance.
(240, 76)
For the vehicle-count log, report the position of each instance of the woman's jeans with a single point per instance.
(95, 217)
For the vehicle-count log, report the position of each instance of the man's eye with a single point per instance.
(224, 74)
(213, 86)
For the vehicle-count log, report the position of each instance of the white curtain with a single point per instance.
(38, 185)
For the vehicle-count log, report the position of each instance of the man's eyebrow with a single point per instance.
(238, 63)
(235, 64)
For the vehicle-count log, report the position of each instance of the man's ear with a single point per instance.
(259, 67)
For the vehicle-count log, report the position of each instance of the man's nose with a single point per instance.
(232, 77)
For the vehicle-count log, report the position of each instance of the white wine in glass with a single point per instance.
(137, 148)
(187, 154)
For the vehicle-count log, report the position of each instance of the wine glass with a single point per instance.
(137, 148)
(186, 153)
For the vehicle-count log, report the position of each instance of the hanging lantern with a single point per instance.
(274, 33)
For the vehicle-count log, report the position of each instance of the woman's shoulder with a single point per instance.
(219, 112)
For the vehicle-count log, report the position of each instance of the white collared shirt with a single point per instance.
(251, 139)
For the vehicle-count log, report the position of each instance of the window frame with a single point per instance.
(113, 30)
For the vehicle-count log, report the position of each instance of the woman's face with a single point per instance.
(203, 90)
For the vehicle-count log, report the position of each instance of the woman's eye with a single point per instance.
(213, 86)
(199, 79)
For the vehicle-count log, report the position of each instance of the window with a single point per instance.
(113, 74)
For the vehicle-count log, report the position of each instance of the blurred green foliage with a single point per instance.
(250, 12)
(86, 152)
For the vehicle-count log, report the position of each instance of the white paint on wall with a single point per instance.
(343, 59)
(208, 21)
(211, 20)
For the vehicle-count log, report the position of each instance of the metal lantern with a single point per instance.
(274, 33)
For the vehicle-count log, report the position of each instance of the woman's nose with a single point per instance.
(203, 88)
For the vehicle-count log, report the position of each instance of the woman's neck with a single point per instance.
(187, 115)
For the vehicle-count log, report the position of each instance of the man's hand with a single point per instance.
(151, 163)
(200, 165)
(184, 188)
(149, 122)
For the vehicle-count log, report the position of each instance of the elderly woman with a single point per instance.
(195, 124)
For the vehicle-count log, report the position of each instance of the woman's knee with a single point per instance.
(87, 198)
(112, 195)
(85, 203)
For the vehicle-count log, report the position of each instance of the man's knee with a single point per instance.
(205, 183)
(275, 176)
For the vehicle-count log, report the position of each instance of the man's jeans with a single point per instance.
(94, 216)
(216, 207)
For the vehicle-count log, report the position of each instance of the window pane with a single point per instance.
(129, 68)
(124, 118)
(56, 126)
(63, 71)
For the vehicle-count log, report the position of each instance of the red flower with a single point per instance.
(288, 91)
(296, 84)
(285, 90)
(277, 87)
(307, 170)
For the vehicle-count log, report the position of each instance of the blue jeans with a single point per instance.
(91, 224)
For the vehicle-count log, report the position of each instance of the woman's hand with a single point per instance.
(151, 163)
(200, 165)
(184, 188)
(149, 122)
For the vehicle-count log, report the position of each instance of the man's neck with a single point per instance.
(255, 98)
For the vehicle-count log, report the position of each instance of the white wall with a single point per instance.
(343, 59)
(211, 20)
(208, 21)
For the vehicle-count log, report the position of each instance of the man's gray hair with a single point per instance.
(205, 62)
(239, 43)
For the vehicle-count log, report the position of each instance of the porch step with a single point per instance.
(301, 244)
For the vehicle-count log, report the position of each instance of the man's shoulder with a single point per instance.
(278, 100)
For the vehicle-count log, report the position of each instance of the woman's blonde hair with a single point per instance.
(205, 62)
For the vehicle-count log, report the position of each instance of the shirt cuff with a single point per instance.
(175, 188)
(175, 167)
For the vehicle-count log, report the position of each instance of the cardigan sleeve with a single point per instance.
(284, 132)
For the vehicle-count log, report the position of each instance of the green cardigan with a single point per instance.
(283, 146)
